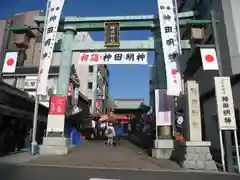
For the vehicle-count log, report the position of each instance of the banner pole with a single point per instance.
(222, 150)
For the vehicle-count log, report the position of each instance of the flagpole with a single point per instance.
(35, 116)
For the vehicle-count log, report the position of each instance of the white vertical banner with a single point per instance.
(225, 106)
(52, 18)
(170, 45)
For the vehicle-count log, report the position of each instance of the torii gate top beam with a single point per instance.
(146, 22)
(97, 23)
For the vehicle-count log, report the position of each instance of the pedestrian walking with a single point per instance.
(119, 133)
(93, 129)
(110, 133)
(103, 128)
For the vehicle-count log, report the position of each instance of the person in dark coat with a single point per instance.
(119, 133)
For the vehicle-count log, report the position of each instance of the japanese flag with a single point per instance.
(209, 59)
(10, 62)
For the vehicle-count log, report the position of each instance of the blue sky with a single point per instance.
(126, 81)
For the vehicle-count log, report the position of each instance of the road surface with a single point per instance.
(18, 172)
(97, 154)
(95, 161)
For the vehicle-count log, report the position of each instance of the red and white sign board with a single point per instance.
(57, 105)
(10, 62)
(56, 114)
(209, 59)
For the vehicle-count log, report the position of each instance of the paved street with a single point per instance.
(95, 161)
(96, 154)
(14, 172)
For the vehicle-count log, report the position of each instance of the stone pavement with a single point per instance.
(18, 158)
(96, 154)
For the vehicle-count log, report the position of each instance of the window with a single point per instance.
(89, 102)
(90, 85)
(90, 69)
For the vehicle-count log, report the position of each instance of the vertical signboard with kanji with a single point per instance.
(52, 18)
(112, 34)
(170, 45)
(225, 106)
(193, 113)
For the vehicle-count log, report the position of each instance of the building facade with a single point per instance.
(229, 41)
(93, 79)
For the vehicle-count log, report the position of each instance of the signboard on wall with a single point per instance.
(92, 58)
(225, 106)
(30, 82)
(112, 34)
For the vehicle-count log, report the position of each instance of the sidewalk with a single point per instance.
(141, 140)
(96, 154)
(18, 158)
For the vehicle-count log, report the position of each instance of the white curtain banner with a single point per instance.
(170, 45)
(52, 18)
(92, 58)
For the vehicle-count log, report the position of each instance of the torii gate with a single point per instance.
(71, 25)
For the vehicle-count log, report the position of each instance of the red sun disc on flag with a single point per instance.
(10, 62)
(209, 58)
(174, 71)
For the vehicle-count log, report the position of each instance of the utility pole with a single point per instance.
(227, 133)
(36, 104)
